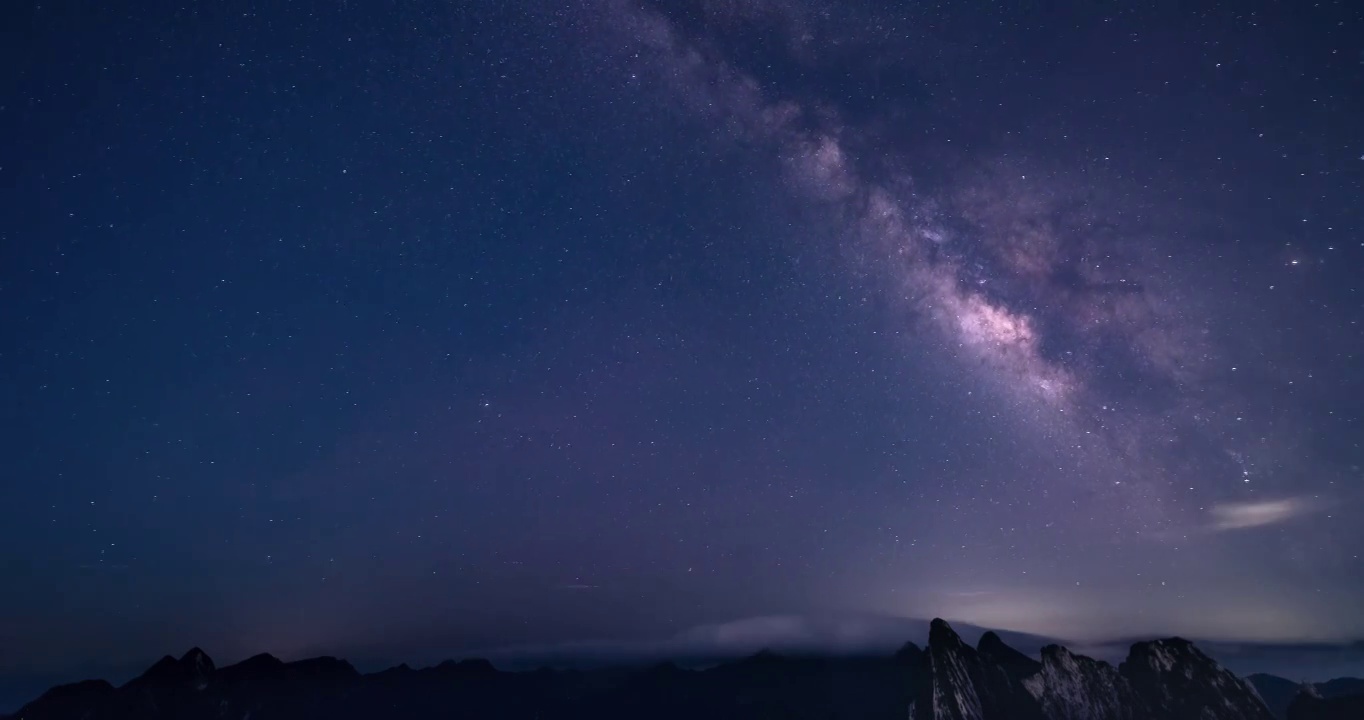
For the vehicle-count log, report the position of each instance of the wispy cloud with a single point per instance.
(1243, 515)
(793, 633)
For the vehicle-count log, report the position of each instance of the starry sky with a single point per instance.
(418, 329)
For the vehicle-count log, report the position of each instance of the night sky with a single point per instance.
(413, 330)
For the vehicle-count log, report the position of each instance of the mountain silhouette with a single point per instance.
(1279, 693)
(945, 680)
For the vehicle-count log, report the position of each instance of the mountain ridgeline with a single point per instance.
(948, 680)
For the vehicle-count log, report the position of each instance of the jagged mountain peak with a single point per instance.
(1165, 653)
(1166, 679)
(325, 669)
(166, 671)
(909, 652)
(257, 669)
(1165, 656)
(994, 649)
(197, 657)
(1176, 677)
(962, 684)
(765, 655)
(198, 667)
(1054, 649)
(1060, 655)
(259, 661)
(940, 633)
(264, 657)
(990, 639)
(394, 674)
(1076, 687)
(466, 667)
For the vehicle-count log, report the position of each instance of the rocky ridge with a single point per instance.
(947, 679)
(1160, 680)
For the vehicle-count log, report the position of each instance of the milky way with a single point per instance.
(1068, 292)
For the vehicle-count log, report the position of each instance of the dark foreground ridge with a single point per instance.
(948, 680)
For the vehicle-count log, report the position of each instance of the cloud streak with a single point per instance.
(789, 633)
(1261, 513)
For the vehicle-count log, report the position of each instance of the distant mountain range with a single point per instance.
(1279, 694)
(947, 680)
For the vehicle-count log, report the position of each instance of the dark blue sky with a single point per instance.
(411, 330)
